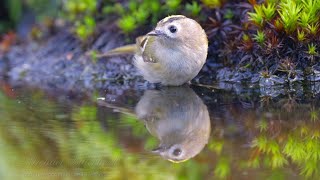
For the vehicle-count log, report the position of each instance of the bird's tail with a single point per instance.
(127, 49)
(123, 110)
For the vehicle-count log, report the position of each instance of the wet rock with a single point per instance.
(272, 91)
(3, 66)
(271, 81)
(237, 76)
(297, 77)
(315, 76)
(224, 74)
(315, 87)
(61, 63)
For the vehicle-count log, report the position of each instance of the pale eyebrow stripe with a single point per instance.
(171, 19)
(143, 43)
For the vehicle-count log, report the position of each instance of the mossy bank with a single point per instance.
(261, 42)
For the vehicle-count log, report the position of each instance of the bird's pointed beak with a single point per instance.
(155, 33)
(158, 150)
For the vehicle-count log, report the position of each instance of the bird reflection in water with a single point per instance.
(178, 118)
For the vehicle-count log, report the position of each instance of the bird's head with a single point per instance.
(180, 29)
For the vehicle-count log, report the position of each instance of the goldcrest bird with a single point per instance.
(178, 118)
(172, 54)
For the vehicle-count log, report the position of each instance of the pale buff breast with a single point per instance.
(171, 67)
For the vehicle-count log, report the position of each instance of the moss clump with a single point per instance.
(287, 15)
(246, 35)
(130, 15)
(281, 31)
(82, 13)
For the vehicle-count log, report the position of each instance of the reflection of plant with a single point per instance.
(222, 169)
(72, 142)
(301, 146)
(271, 148)
(59, 139)
(314, 116)
(281, 139)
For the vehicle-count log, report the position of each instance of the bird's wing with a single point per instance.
(142, 42)
(145, 47)
(127, 49)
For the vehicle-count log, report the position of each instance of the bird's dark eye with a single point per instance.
(177, 152)
(172, 29)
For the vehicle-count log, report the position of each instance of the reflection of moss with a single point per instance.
(302, 150)
(38, 135)
(300, 146)
(222, 169)
(35, 142)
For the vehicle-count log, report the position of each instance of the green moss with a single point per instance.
(289, 14)
(229, 14)
(127, 24)
(313, 28)
(194, 8)
(269, 10)
(212, 3)
(266, 30)
(301, 36)
(260, 37)
(83, 13)
(173, 4)
(131, 14)
(257, 16)
(312, 49)
(285, 27)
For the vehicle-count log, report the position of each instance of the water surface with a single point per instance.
(166, 133)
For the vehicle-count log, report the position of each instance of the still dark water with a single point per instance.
(171, 133)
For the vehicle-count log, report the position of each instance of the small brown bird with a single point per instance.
(172, 54)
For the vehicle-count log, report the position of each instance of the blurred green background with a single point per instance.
(85, 14)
